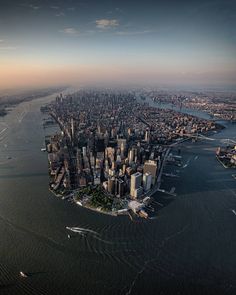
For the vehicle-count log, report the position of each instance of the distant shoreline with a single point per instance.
(11, 101)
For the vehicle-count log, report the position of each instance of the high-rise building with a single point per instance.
(138, 192)
(84, 151)
(135, 183)
(111, 185)
(72, 128)
(121, 143)
(131, 156)
(147, 135)
(119, 187)
(151, 167)
(110, 152)
(147, 181)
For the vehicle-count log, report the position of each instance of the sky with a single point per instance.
(145, 42)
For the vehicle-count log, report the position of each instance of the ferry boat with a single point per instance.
(23, 274)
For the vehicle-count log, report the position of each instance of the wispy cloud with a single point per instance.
(71, 8)
(130, 33)
(70, 31)
(55, 7)
(1, 40)
(32, 6)
(60, 14)
(118, 9)
(35, 7)
(106, 23)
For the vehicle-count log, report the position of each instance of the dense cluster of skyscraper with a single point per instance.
(113, 140)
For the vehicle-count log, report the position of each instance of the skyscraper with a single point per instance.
(151, 167)
(147, 181)
(135, 183)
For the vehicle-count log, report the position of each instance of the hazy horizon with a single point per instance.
(149, 42)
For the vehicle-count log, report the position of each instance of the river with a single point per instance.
(188, 248)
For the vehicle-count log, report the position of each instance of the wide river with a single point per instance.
(188, 248)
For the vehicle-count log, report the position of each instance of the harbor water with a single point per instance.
(187, 248)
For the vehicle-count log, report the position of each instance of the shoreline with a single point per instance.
(115, 214)
(149, 193)
(185, 137)
(188, 109)
(6, 107)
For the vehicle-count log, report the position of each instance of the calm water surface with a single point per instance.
(188, 248)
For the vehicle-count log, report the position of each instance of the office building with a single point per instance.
(151, 167)
(147, 181)
(135, 183)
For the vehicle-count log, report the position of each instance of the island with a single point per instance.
(112, 147)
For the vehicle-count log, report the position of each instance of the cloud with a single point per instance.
(106, 23)
(130, 33)
(60, 14)
(70, 31)
(32, 6)
(71, 8)
(1, 40)
(55, 7)
(118, 9)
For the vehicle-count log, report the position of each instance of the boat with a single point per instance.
(79, 203)
(23, 274)
(68, 236)
(234, 176)
(43, 149)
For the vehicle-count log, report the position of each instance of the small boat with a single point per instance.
(43, 149)
(23, 274)
(79, 203)
(68, 236)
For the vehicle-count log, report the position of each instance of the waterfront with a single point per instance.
(189, 247)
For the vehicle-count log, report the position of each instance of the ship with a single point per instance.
(23, 274)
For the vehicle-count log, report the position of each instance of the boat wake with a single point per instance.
(233, 211)
(85, 232)
(82, 230)
(186, 164)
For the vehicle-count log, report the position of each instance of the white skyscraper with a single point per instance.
(131, 156)
(84, 151)
(135, 183)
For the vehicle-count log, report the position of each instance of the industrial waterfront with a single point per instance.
(187, 248)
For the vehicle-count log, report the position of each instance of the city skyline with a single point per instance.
(151, 42)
